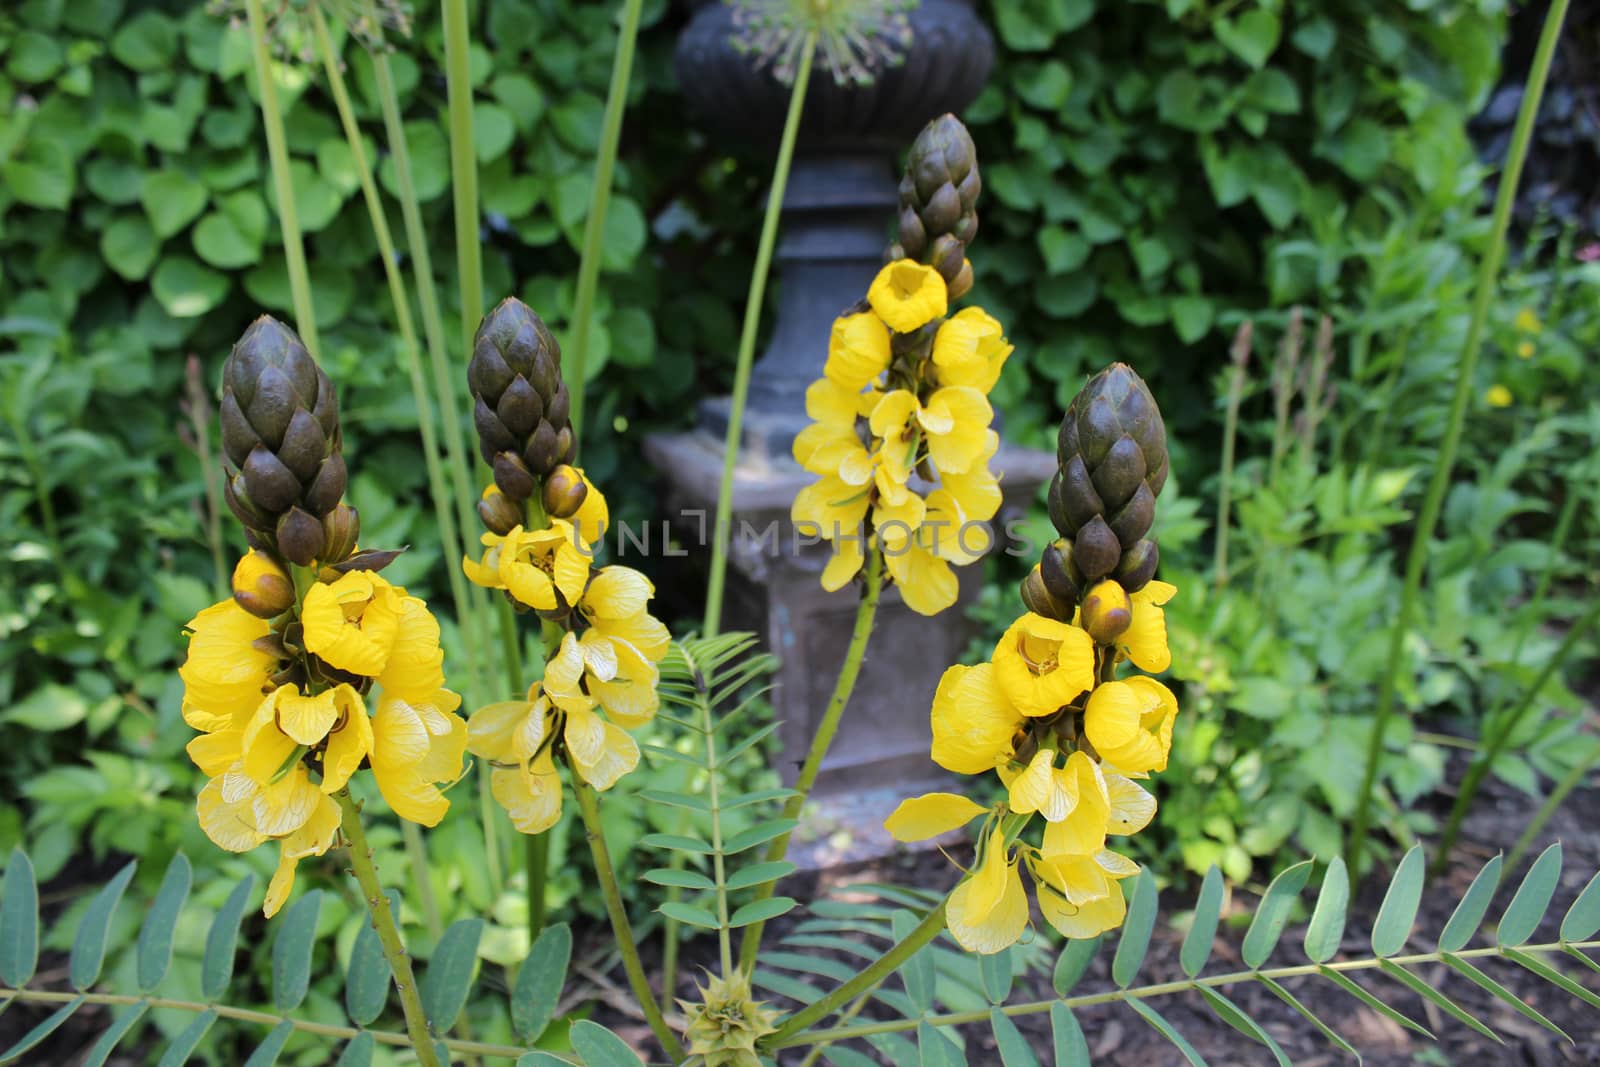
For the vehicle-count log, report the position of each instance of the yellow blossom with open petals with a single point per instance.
(975, 726)
(352, 623)
(542, 569)
(226, 672)
(988, 911)
(622, 645)
(908, 295)
(970, 349)
(313, 839)
(1078, 894)
(417, 744)
(1042, 787)
(858, 351)
(954, 423)
(1043, 664)
(1145, 640)
(831, 445)
(1129, 723)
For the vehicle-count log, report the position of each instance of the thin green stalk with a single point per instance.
(924, 932)
(747, 340)
(536, 856)
(845, 1016)
(294, 252)
(790, 1039)
(577, 374)
(1283, 389)
(1422, 537)
(589, 806)
(417, 856)
(1230, 433)
(842, 688)
(394, 949)
(1569, 781)
(463, 166)
(713, 777)
(1502, 727)
(466, 497)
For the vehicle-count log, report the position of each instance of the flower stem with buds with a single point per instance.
(394, 949)
(747, 338)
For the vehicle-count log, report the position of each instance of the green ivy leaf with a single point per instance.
(1253, 36)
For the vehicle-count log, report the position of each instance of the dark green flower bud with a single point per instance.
(1095, 549)
(341, 531)
(1138, 566)
(939, 194)
(299, 536)
(1061, 575)
(1037, 598)
(280, 432)
(520, 404)
(564, 492)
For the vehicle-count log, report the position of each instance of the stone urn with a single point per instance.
(838, 211)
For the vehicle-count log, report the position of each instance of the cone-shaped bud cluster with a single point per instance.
(520, 403)
(1112, 453)
(938, 202)
(280, 441)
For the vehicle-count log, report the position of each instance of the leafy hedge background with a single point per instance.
(1154, 172)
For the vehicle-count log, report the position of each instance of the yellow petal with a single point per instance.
(531, 797)
(216, 752)
(286, 805)
(282, 883)
(600, 751)
(908, 295)
(410, 794)
(593, 517)
(858, 350)
(599, 655)
(349, 744)
(1131, 807)
(926, 582)
(1080, 922)
(264, 746)
(1039, 788)
(893, 412)
(1043, 664)
(974, 726)
(491, 729)
(572, 572)
(399, 737)
(989, 910)
(229, 824)
(446, 752)
(617, 593)
(224, 674)
(843, 565)
(1145, 640)
(306, 719)
(415, 667)
(1084, 831)
(932, 814)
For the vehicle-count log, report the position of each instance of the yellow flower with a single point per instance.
(908, 295)
(1525, 349)
(834, 510)
(970, 349)
(974, 726)
(593, 516)
(1527, 321)
(351, 624)
(955, 421)
(1043, 665)
(284, 728)
(543, 569)
(1129, 723)
(858, 351)
(415, 668)
(1498, 396)
(1145, 639)
(313, 839)
(930, 815)
(1108, 803)
(988, 911)
(622, 645)
(1078, 894)
(918, 567)
(417, 744)
(830, 445)
(1042, 787)
(976, 492)
(226, 672)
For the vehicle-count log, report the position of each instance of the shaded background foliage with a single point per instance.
(1154, 173)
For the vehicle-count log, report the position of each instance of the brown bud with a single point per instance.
(499, 512)
(513, 477)
(299, 535)
(1037, 598)
(341, 531)
(261, 586)
(961, 284)
(1107, 612)
(564, 492)
(1061, 575)
(1138, 565)
(1096, 549)
(947, 256)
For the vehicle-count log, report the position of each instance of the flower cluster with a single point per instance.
(901, 433)
(1069, 740)
(602, 645)
(296, 685)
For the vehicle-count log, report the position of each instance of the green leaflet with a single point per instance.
(367, 981)
(1306, 1013)
(1427, 992)
(216, 968)
(1014, 1050)
(1234, 1016)
(266, 1053)
(1474, 905)
(1532, 899)
(291, 953)
(42, 1030)
(539, 982)
(1582, 920)
(1483, 981)
(1203, 930)
(89, 947)
(599, 1047)
(118, 1029)
(185, 1043)
(1072, 963)
(19, 921)
(917, 972)
(1167, 1030)
(1136, 930)
(155, 936)
(1273, 913)
(358, 1053)
(1071, 1049)
(1326, 929)
(1398, 911)
(448, 979)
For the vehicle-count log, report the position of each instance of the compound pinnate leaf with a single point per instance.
(1474, 905)
(1399, 908)
(1532, 898)
(1203, 930)
(155, 936)
(291, 953)
(448, 979)
(89, 947)
(533, 998)
(19, 921)
(1326, 929)
(1136, 930)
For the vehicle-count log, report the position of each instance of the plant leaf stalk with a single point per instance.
(599, 203)
(1433, 502)
(747, 338)
(866, 613)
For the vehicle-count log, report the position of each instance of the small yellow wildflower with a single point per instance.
(1525, 349)
(1498, 396)
(908, 295)
(1527, 321)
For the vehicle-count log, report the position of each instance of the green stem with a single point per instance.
(847, 1033)
(589, 806)
(747, 340)
(536, 854)
(1501, 728)
(1569, 781)
(577, 374)
(294, 252)
(1230, 433)
(842, 688)
(463, 167)
(713, 777)
(417, 856)
(394, 949)
(924, 932)
(1422, 537)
